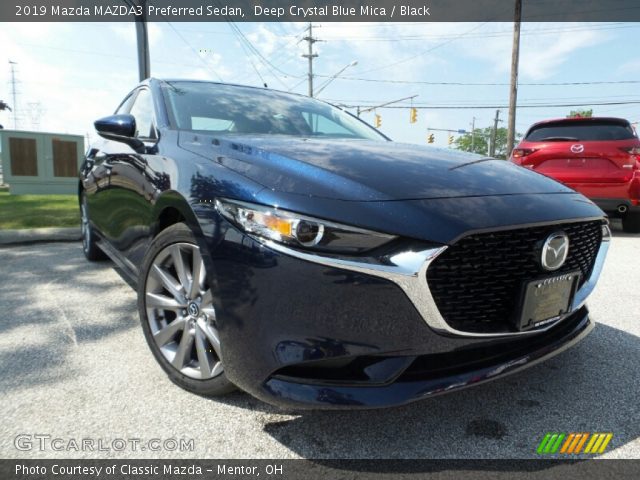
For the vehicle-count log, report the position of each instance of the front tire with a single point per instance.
(175, 302)
(631, 222)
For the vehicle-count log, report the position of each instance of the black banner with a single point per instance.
(319, 469)
(318, 10)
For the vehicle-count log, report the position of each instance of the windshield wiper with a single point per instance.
(558, 139)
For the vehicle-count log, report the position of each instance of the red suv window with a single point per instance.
(581, 131)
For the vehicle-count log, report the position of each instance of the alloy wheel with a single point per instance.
(180, 311)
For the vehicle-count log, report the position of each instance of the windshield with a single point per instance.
(230, 109)
(581, 130)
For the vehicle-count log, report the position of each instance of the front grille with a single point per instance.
(477, 282)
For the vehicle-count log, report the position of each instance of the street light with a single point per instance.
(333, 77)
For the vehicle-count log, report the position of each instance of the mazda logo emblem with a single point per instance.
(577, 148)
(554, 251)
(193, 309)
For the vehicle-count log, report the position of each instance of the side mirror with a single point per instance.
(120, 128)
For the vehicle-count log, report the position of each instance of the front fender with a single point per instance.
(172, 200)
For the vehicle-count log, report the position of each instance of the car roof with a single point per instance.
(614, 120)
(582, 119)
(151, 80)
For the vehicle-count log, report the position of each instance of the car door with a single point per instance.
(96, 175)
(131, 188)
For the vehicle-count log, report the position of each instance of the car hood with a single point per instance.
(364, 170)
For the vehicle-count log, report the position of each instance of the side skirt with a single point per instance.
(125, 268)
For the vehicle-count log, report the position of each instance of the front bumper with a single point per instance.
(303, 333)
(419, 380)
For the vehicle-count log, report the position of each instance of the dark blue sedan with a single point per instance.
(283, 246)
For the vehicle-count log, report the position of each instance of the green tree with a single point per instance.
(580, 113)
(481, 141)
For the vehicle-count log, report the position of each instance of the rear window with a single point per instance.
(581, 131)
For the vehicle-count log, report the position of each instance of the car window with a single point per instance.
(321, 125)
(583, 131)
(211, 124)
(142, 111)
(232, 109)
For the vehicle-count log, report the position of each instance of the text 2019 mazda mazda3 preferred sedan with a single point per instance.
(283, 246)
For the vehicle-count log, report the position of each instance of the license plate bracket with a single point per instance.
(545, 299)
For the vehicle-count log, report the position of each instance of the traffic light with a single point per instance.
(413, 115)
(378, 121)
(431, 138)
(450, 139)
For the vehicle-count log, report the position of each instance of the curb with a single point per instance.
(36, 235)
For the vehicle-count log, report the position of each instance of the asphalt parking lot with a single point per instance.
(74, 365)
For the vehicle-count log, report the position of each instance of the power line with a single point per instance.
(424, 52)
(284, 48)
(468, 107)
(490, 34)
(486, 84)
(491, 101)
(255, 69)
(244, 40)
(369, 25)
(94, 53)
(194, 51)
(604, 98)
(281, 50)
(297, 84)
(253, 50)
(241, 36)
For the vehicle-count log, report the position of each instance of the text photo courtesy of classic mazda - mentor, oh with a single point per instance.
(282, 246)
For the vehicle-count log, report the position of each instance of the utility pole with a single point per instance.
(473, 133)
(333, 77)
(14, 94)
(142, 35)
(309, 38)
(494, 134)
(513, 95)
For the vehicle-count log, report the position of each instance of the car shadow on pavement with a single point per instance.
(617, 231)
(592, 387)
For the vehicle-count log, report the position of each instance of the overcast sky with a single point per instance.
(73, 73)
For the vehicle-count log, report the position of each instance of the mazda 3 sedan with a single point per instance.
(282, 246)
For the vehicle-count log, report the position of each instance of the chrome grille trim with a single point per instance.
(408, 270)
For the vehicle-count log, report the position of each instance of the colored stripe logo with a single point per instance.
(573, 443)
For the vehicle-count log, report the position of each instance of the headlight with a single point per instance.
(298, 230)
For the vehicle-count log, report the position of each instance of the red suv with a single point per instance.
(598, 157)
